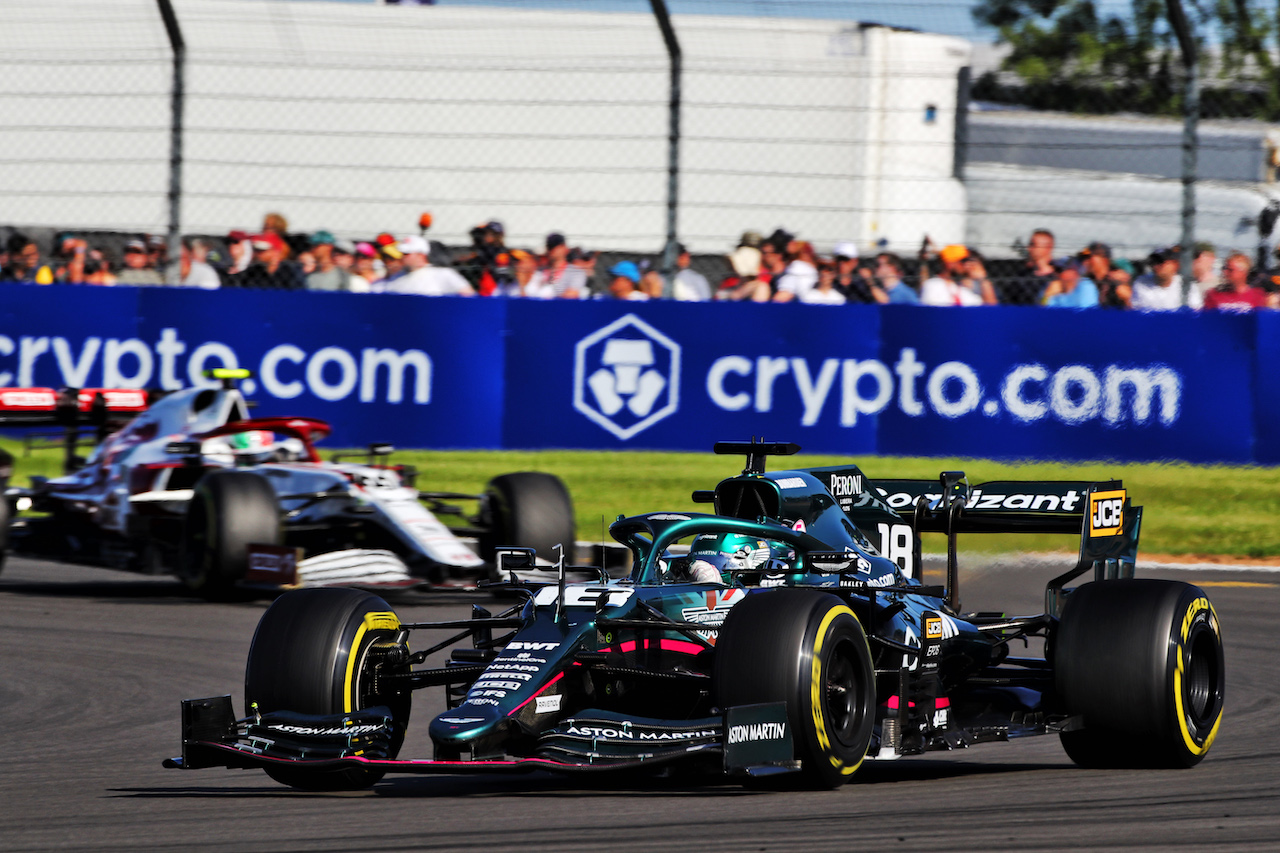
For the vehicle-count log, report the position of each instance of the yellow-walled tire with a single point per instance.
(313, 652)
(808, 649)
(1141, 662)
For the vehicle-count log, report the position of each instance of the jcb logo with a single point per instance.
(1106, 513)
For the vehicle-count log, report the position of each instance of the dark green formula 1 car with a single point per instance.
(788, 632)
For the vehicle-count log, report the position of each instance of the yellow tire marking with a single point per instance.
(815, 692)
(379, 621)
(1200, 604)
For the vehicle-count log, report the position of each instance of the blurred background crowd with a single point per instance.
(779, 266)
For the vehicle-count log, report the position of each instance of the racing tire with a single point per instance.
(5, 511)
(528, 509)
(1141, 662)
(808, 649)
(229, 511)
(314, 652)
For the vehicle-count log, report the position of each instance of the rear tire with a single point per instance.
(4, 525)
(1141, 662)
(229, 511)
(528, 509)
(314, 653)
(805, 648)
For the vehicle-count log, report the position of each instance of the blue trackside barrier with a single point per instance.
(1009, 383)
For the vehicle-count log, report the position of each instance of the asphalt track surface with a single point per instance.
(95, 663)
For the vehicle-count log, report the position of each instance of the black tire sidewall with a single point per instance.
(528, 509)
(229, 510)
(1123, 656)
(307, 655)
(779, 646)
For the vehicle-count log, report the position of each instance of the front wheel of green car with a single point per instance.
(315, 652)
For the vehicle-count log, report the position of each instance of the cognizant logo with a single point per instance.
(1072, 394)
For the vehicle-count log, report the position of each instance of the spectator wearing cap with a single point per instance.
(688, 285)
(239, 256)
(24, 265)
(390, 256)
(824, 292)
(270, 269)
(849, 279)
(585, 261)
(892, 288)
(138, 269)
(1096, 258)
(1028, 286)
(625, 282)
(558, 279)
(481, 265)
(327, 274)
(1160, 288)
(365, 275)
(1236, 293)
(1116, 290)
(1072, 288)
(193, 272)
(423, 279)
(945, 287)
(158, 248)
(747, 281)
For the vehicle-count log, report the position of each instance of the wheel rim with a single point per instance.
(840, 693)
(1201, 685)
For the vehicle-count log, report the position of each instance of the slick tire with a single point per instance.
(1141, 662)
(229, 511)
(4, 526)
(314, 652)
(528, 509)
(805, 648)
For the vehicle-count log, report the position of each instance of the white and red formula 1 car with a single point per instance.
(188, 484)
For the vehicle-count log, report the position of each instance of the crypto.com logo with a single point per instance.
(626, 376)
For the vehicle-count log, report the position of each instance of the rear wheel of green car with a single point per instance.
(1140, 663)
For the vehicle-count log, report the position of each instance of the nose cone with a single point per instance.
(464, 724)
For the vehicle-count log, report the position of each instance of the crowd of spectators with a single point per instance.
(779, 267)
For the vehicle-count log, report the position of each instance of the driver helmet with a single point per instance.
(714, 556)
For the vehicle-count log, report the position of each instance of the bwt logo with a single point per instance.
(626, 376)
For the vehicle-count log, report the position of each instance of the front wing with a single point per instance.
(752, 740)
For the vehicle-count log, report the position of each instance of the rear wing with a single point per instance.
(1100, 512)
(105, 409)
(69, 406)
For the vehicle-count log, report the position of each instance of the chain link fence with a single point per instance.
(357, 117)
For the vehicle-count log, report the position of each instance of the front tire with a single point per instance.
(528, 509)
(1141, 662)
(314, 652)
(805, 648)
(229, 511)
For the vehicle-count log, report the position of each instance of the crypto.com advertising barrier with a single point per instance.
(413, 371)
(1018, 383)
